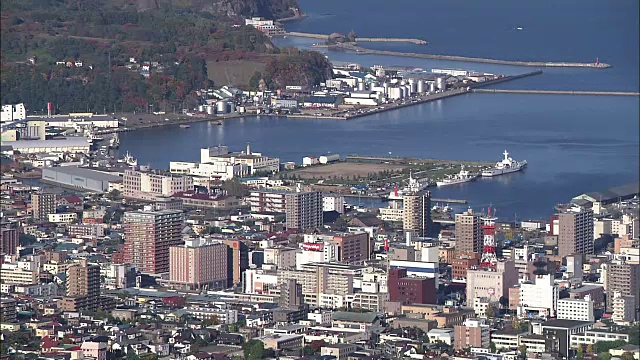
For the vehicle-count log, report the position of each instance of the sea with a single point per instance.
(573, 144)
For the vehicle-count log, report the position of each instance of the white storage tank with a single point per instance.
(440, 83)
(325, 159)
(221, 107)
(201, 108)
(403, 82)
(242, 109)
(413, 86)
(231, 107)
(394, 93)
(211, 109)
(420, 87)
(361, 86)
(403, 92)
(432, 87)
(407, 90)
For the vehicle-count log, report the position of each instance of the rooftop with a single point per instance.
(70, 141)
(83, 172)
(566, 323)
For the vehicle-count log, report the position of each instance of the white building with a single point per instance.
(317, 252)
(540, 297)
(593, 336)
(444, 335)
(151, 186)
(217, 170)
(310, 160)
(67, 217)
(259, 282)
(331, 202)
(256, 162)
(13, 113)
(575, 309)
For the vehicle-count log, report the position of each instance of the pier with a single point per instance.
(361, 50)
(558, 92)
(326, 37)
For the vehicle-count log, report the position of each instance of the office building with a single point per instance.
(410, 290)
(148, 236)
(623, 278)
(152, 186)
(492, 284)
(255, 162)
(303, 210)
(538, 297)
(353, 248)
(416, 214)
(13, 112)
(575, 309)
(42, 205)
(468, 232)
(559, 333)
(291, 294)
(473, 333)
(575, 232)
(199, 264)
(9, 239)
(82, 288)
(237, 260)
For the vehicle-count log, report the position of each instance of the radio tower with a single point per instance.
(489, 258)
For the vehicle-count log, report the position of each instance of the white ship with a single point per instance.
(462, 177)
(506, 166)
(413, 186)
(129, 160)
(114, 143)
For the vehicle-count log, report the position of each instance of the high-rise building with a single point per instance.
(291, 294)
(410, 290)
(237, 260)
(303, 210)
(416, 213)
(42, 205)
(198, 264)
(469, 232)
(575, 232)
(9, 239)
(623, 278)
(473, 333)
(148, 236)
(82, 287)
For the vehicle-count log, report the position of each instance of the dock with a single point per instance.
(450, 201)
(365, 51)
(444, 221)
(558, 92)
(326, 37)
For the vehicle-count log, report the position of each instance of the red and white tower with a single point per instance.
(489, 258)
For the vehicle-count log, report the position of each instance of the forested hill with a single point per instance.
(77, 53)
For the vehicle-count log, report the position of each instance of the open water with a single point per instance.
(573, 144)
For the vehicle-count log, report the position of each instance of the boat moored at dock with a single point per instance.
(506, 166)
(462, 177)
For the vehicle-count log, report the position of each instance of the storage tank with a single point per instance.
(441, 84)
(201, 108)
(211, 109)
(361, 86)
(432, 87)
(242, 109)
(407, 90)
(403, 82)
(403, 93)
(420, 87)
(325, 159)
(394, 93)
(221, 107)
(231, 106)
(413, 86)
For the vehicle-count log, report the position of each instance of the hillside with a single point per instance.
(44, 41)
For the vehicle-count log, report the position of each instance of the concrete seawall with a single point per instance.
(326, 37)
(361, 50)
(558, 92)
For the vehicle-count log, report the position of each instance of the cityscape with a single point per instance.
(231, 243)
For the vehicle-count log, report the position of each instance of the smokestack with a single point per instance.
(49, 109)
(248, 148)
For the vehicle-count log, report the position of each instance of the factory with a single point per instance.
(70, 145)
(80, 120)
(80, 178)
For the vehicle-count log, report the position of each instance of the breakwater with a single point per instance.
(326, 37)
(558, 92)
(364, 51)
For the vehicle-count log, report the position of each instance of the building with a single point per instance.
(354, 248)
(9, 239)
(282, 341)
(94, 350)
(66, 217)
(473, 333)
(13, 274)
(152, 186)
(624, 311)
(79, 178)
(148, 236)
(411, 290)
(623, 278)
(8, 312)
(42, 205)
(303, 210)
(339, 351)
(268, 201)
(76, 144)
(199, 264)
(462, 264)
(538, 297)
(12, 113)
(575, 232)
(82, 288)
(207, 201)
(559, 333)
(237, 260)
(576, 309)
(593, 336)
(416, 214)
(255, 162)
(331, 202)
(469, 232)
(492, 284)
(291, 294)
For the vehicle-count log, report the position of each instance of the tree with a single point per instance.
(590, 349)
(580, 355)
(515, 323)
(308, 351)
(522, 349)
(492, 347)
(490, 312)
(627, 356)
(316, 345)
(253, 350)
(605, 346)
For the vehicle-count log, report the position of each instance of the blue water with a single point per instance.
(573, 144)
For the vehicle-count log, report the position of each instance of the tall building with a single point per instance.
(83, 288)
(492, 284)
(410, 290)
(198, 264)
(623, 278)
(575, 232)
(303, 210)
(9, 240)
(354, 248)
(152, 186)
(148, 236)
(469, 232)
(291, 294)
(624, 312)
(416, 213)
(237, 260)
(539, 296)
(42, 205)
(472, 333)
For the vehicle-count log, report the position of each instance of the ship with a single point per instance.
(462, 177)
(114, 143)
(412, 187)
(506, 166)
(129, 160)
(185, 126)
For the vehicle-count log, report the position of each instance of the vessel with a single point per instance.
(114, 143)
(185, 126)
(413, 186)
(462, 177)
(129, 159)
(506, 166)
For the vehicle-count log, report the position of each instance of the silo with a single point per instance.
(413, 85)
(420, 87)
(403, 93)
(432, 87)
(407, 90)
(201, 108)
(441, 84)
(211, 109)
(361, 86)
(242, 109)
(221, 107)
(231, 106)
(403, 82)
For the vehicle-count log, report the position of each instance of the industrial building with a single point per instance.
(81, 178)
(72, 145)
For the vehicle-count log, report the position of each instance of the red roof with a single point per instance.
(48, 342)
(72, 199)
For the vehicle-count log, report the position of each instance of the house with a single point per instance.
(74, 202)
(78, 63)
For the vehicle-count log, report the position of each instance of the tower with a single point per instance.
(489, 258)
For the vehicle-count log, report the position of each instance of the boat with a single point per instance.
(185, 126)
(114, 143)
(462, 177)
(506, 166)
(130, 160)
(412, 187)
(519, 28)
(219, 123)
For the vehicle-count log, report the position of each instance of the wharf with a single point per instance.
(558, 92)
(326, 37)
(364, 51)
(444, 201)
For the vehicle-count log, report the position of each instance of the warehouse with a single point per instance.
(80, 178)
(73, 145)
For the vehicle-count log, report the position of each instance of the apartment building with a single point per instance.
(575, 232)
(9, 239)
(539, 297)
(416, 214)
(304, 210)
(66, 217)
(410, 290)
(624, 278)
(151, 186)
(492, 284)
(624, 309)
(469, 232)
(473, 333)
(42, 205)
(575, 309)
(82, 288)
(199, 264)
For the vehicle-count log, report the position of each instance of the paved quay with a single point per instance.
(558, 92)
(326, 37)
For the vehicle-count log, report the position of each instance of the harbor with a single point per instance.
(362, 39)
(557, 92)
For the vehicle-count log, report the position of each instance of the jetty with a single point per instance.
(558, 92)
(364, 51)
(326, 37)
